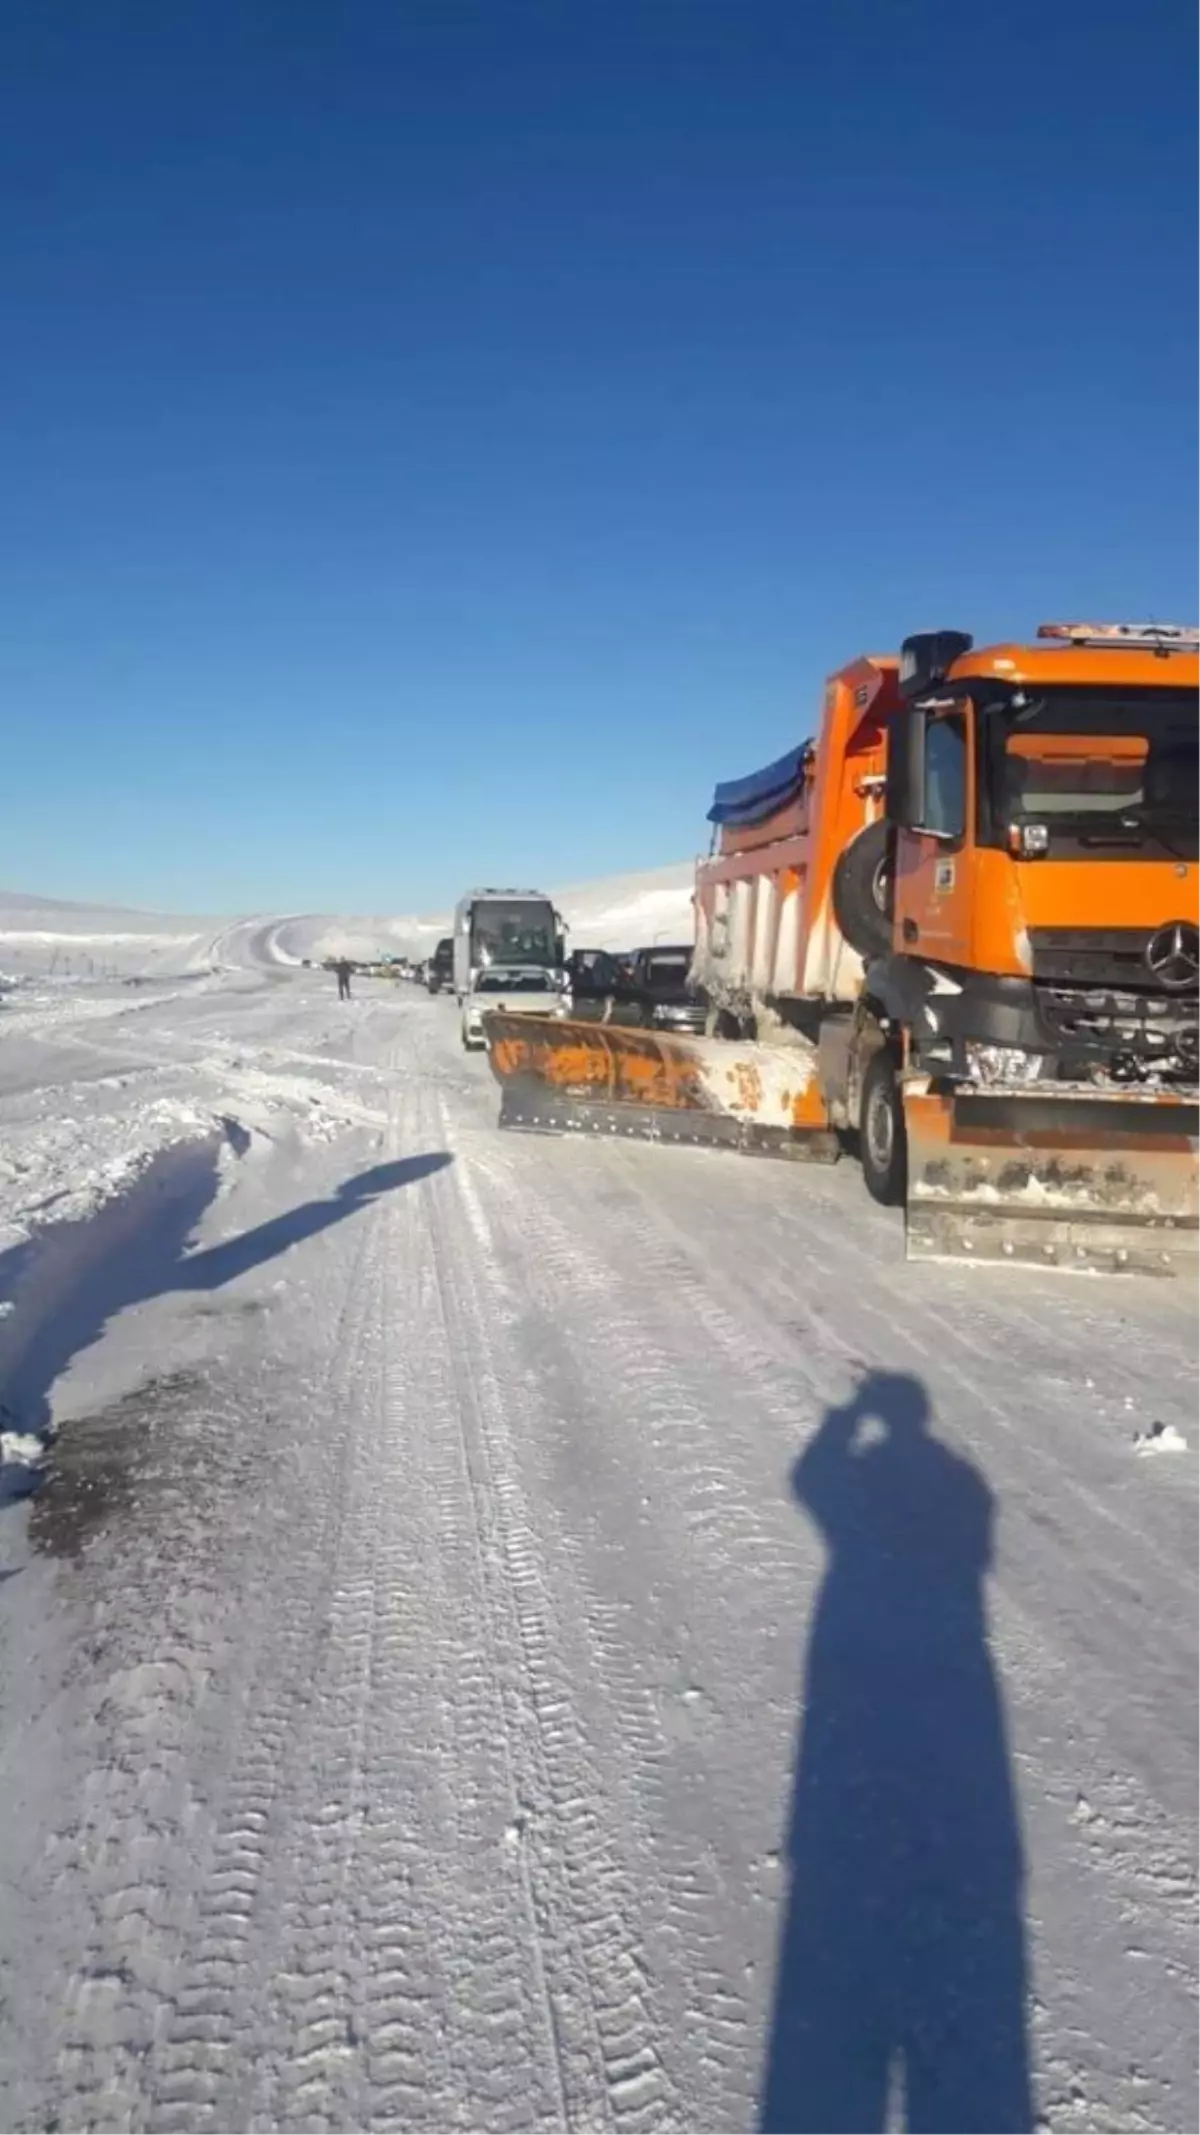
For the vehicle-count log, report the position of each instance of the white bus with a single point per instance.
(509, 952)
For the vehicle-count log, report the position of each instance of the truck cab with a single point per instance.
(1043, 866)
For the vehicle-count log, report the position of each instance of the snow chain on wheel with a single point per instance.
(862, 891)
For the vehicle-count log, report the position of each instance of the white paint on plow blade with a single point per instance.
(754, 1082)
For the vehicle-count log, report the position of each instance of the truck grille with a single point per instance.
(1082, 957)
(1145, 1027)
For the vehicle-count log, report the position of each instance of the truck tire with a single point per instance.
(882, 1150)
(862, 891)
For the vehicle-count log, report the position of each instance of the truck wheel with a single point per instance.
(862, 891)
(881, 1130)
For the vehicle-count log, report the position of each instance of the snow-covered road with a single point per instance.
(469, 1667)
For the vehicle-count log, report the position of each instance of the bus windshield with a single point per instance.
(520, 932)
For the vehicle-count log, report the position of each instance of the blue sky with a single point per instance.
(444, 437)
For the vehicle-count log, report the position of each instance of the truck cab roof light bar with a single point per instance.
(1146, 637)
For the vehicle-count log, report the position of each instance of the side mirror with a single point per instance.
(904, 799)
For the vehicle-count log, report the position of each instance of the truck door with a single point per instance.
(933, 905)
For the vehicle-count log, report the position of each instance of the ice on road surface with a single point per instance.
(520, 1633)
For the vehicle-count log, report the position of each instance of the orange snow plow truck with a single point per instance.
(957, 930)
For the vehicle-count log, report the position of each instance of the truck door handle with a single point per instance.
(910, 930)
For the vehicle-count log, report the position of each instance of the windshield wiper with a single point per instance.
(1149, 820)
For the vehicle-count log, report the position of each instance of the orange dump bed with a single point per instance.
(764, 916)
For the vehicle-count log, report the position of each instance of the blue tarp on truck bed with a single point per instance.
(750, 800)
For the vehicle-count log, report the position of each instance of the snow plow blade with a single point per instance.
(601, 1078)
(1069, 1178)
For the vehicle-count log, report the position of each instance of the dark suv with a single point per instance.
(648, 989)
(660, 984)
(441, 966)
(599, 985)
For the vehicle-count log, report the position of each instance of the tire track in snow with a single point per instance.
(648, 1404)
(357, 1963)
(503, 2060)
(219, 2045)
(496, 1984)
(583, 1886)
(140, 1811)
(386, 1905)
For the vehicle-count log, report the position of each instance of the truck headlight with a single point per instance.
(1002, 1063)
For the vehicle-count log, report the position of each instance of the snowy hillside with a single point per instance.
(616, 912)
(42, 937)
(45, 936)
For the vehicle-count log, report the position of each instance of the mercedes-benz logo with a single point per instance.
(1173, 956)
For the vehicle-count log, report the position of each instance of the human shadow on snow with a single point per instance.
(219, 1264)
(65, 1286)
(902, 1960)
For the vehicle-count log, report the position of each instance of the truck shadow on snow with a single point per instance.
(64, 1286)
(902, 1967)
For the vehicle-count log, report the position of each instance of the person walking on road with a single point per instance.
(344, 971)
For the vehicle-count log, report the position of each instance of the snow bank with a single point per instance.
(62, 1169)
(617, 912)
(631, 911)
(42, 937)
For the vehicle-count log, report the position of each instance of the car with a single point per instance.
(519, 992)
(440, 971)
(662, 986)
(600, 986)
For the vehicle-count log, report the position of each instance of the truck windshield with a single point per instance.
(514, 933)
(1097, 767)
